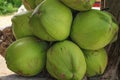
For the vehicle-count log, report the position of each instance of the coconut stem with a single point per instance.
(37, 8)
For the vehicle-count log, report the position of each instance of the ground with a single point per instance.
(5, 21)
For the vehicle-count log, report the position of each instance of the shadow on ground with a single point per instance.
(17, 77)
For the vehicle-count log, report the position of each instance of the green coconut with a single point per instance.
(80, 5)
(20, 25)
(93, 29)
(96, 62)
(65, 61)
(31, 4)
(26, 56)
(52, 21)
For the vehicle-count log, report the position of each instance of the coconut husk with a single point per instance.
(6, 38)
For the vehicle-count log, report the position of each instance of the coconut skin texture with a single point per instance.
(26, 56)
(95, 33)
(20, 25)
(80, 5)
(65, 61)
(31, 4)
(96, 62)
(52, 22)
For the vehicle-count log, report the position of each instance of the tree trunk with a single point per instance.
(113, 69)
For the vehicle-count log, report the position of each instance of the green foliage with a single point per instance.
(9, 6)
(16, 3)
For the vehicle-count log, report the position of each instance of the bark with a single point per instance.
(113, 69)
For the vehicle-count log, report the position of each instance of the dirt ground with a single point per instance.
(5, 21)
(3, 68)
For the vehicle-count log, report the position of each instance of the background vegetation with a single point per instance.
(9, 6)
